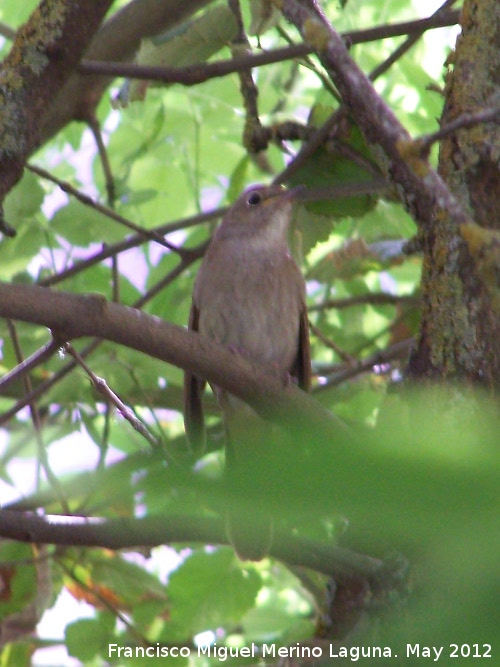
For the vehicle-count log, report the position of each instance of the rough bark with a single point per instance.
(460, 330)
(39, 88)
(117, 40)
(44, 54)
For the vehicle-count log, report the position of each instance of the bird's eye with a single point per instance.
(254, 198)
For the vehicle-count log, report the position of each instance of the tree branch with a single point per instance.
(423, 191)
(373, 298)
(84, 199)
(489, 115)
(134, 241)
(44, 54)
(73, 316)
(152, 531)
(193, 74)
(412, 39)
(118, 39)
(36, 359)
(93, 345)
(111, 398)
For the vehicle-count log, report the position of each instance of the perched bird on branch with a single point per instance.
(249, 294)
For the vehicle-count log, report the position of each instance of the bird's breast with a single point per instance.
(253, 303)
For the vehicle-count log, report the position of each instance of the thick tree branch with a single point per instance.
(45, 53)
(118, 39)
(44, 386)
(73, 316)
(423, 191)
(152, 531)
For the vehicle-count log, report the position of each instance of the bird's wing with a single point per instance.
(302, 367)
(194, 422)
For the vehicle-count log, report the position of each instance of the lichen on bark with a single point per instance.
(460, 320)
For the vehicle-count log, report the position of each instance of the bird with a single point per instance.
(249, 294)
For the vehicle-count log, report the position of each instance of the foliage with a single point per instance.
(419, 483)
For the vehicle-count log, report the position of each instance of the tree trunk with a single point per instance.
(460, 332)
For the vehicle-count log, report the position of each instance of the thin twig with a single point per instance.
(308, 149)
(192, 74)
(327, 342)
(7, 32)
(133, 242)
(440, 19)
(309, 63)
(490, 115)
(373, 187)
(115, 279)
(151, 235)
(253, 140)
(110, 397)
(95, 127)
(95, 592)
(408, 43)
(377, 298)
(398, 350)
(27, 365)
(43, 387)
(195, 74)
(43, 459)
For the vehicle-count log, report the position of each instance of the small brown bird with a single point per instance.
(249, 294)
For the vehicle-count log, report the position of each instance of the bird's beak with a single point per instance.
(281, 192)
(295, 193)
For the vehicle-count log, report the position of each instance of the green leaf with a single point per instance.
(16, 253)
(22, 211)
(24, 200)
(89, 637)
(327, 169)
(238, 179)
(265, 15)
(19, 577)
(82, 225)
(17, 654)
(192, 42)
(198, 591)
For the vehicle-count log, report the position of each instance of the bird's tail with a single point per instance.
(249, 522)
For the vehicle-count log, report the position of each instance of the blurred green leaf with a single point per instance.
(24, 200)
(17, 654)
(198, 592)
(18, 575)
(192, 42)
(89, 637)
(82, 225)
